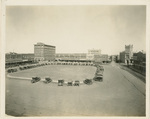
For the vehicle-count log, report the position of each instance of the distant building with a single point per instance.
(122, 57)
(127, 54)
(101, 58)
(93, 53)
(71, 56)
(139, 58)
(15, 57)
(43, 52)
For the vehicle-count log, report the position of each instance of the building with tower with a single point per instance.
(128, 52)
(127, 55)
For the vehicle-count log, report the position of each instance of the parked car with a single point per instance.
(12, 70)
(48, 80)
(70, 83)
(98, 77)
(60, 82)
(76, 83)
(88, 81)
(35, 79)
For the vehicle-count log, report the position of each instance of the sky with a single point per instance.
(76, 28)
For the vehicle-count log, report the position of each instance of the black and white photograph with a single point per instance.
(75, 60)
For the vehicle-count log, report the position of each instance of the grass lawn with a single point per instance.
(56, 72)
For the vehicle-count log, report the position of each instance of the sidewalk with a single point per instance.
(132, 71)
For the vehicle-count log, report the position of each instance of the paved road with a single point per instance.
(120, 94)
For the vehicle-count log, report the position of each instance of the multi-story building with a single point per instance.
(43, 52)
(128, 52)
(126, 55)
(122, 57)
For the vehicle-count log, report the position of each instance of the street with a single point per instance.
(120, 94)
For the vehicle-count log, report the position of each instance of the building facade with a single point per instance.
(15, 57)
(139, 58)
(127, 55)
(93, 54)
(43, 52)
(128, 52)
(101, 58)
(122, 57)
(71, 56)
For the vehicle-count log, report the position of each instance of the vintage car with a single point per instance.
(48, 80)
(76, 83)
(60, 82)
(70, 83)
(88, 81)
(101, 68)
(98, 77)
(35, 79)
(12, 70)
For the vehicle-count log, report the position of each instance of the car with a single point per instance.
(48, 80)
(60, 82)
(12, 70)
(35, 79)
(98, 77)
(76, 83)
(70, 83)
(88, 81)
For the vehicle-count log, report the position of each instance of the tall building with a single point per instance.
(127, 54)
(43, 52)
(122, 57)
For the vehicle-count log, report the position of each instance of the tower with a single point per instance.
(128, 52)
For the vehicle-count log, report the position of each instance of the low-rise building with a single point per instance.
(70, 56)
(139, 58)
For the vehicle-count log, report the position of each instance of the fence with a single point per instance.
(139, 68)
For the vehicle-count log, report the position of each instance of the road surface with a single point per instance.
(120, 94)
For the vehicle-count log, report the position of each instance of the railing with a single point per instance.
(139, 68)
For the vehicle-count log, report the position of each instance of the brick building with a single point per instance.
(43, 52)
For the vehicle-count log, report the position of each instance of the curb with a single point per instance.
(54, 81)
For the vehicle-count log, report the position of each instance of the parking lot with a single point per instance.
(120, 93)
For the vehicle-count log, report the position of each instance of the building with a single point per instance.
(122, 57)
(101, 58)
(128, 52)
(71, 56)
(15, 59)
(127, 55)
(93, 53)
(43, 52)
(139, 58)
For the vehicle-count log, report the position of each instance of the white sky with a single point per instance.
(76, 28)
